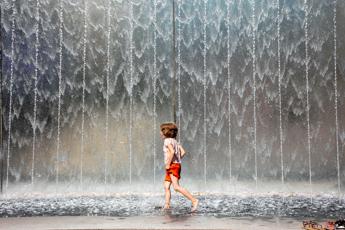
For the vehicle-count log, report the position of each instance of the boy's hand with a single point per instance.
(167, 166)
(182, 151)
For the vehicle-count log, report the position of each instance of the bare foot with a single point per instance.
(166, 207)
(195, 205)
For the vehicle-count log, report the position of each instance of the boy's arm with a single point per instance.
(170, 156)
(182, 151)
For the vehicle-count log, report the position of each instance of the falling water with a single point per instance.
(154, 88)
(307, 88)
(127, 64)
(131, 93)
(59, 93)
(107, 97)
(336, 91)
(280, 97)
(254, 92)
(130, 87)
(205, 130)
(229, 90)
(179, 67)
(11, 87)
(35, 91)
(83, 96)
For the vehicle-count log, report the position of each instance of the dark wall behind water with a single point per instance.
(113, 157)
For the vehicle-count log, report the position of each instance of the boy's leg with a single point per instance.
(184, 192)
(167, 194)
(181, 190)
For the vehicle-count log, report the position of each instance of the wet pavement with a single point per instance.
(167, 221)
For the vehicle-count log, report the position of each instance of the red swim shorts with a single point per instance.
(175, 169)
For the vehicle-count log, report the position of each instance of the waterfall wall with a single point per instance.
(87, 83)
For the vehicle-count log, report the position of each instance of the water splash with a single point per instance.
(254, 91)
(130, 87)
(336, 91)
(154, 88)
(59, 93)
(145, 204)
(280, 96)
(229, 89)
(179, 68)
(204, 83)
(83, 96)
(35, 91)
(107, 95)
(307, 89)
(14, 12)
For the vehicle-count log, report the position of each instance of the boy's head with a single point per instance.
(169, 130)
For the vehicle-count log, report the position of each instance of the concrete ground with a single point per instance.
(172, 222)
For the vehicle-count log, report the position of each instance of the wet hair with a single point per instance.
(169, 129)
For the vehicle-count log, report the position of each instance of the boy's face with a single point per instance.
(161, 134)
